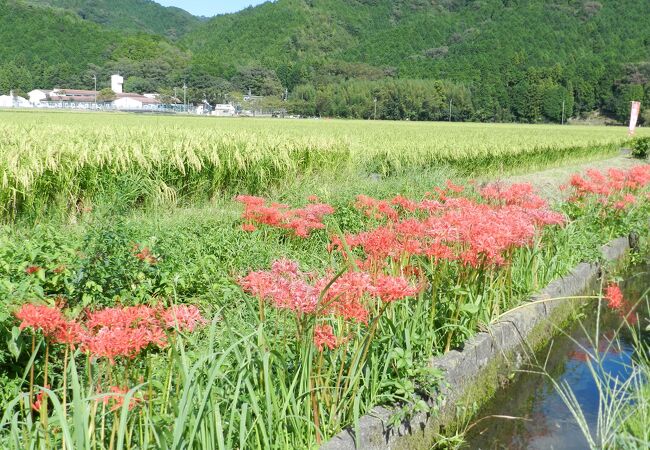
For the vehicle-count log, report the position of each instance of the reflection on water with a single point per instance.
(549, 424)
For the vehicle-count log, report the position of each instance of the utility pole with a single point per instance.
(563, 102)
(450, 102)
(185, 95)
(95, 78)
(375, 108)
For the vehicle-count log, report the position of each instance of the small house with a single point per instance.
(38, 95)
(13, 101)
(226, 110)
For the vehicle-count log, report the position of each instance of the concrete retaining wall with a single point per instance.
(475, 373)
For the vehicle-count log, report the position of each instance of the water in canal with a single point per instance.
(545, 421)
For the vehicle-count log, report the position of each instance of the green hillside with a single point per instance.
(483, 60)
(44, 48)
(130, 15)
(511, 54)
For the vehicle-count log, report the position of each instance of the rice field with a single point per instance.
(63, 161)
(295, 293)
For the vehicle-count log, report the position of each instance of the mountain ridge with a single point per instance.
(494, 60)
(145, 16)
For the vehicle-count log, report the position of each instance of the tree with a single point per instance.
(624, 95)
(106, 95)
(555, 97)
(139, 85)
(258, 80)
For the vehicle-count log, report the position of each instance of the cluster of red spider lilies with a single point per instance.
(458, 230)
(112, 332)
(109, 334)
(301, 221)
(616, 188)
(447, 257)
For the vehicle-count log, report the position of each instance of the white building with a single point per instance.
(117, 84)
(134, 101)
(38, 95)
(85, 99)
(13, 101)
(6, 101)
(224, 110)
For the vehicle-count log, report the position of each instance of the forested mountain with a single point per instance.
(517, 58)
(130, 15)
(41, 47)
(492, 60)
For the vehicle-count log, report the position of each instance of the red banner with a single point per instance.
(634, 116)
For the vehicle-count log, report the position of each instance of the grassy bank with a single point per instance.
(269, 372)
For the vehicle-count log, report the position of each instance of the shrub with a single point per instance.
(640, 147)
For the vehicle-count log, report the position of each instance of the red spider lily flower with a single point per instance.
(376, 209)
(627, 200)
(459, 229)
(248, 227)
(345, 295)
(38, 403)
(250, 200)
(614, 296)
(390, 289)
(285, 266)
(454, 187)
(123, 317)
(111, 343)
(31, 270)
(405, 203)
(144, 254)
(183, 317)
(69, 333)
(440, 193)
(302, 221)
(313, 199)
(284, 286)
(47, 319)
(515, 194)
(111, 332)
(123, 332)
(324, 337)
(438, 251)
(116, 397)
(638, 177)
(615, 181)
(430, 206)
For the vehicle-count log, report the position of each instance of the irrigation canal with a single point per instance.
(540, 419)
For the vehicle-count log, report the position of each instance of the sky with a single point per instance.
(210, 7)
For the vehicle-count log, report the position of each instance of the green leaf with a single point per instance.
(13, 343)
(470, 308)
